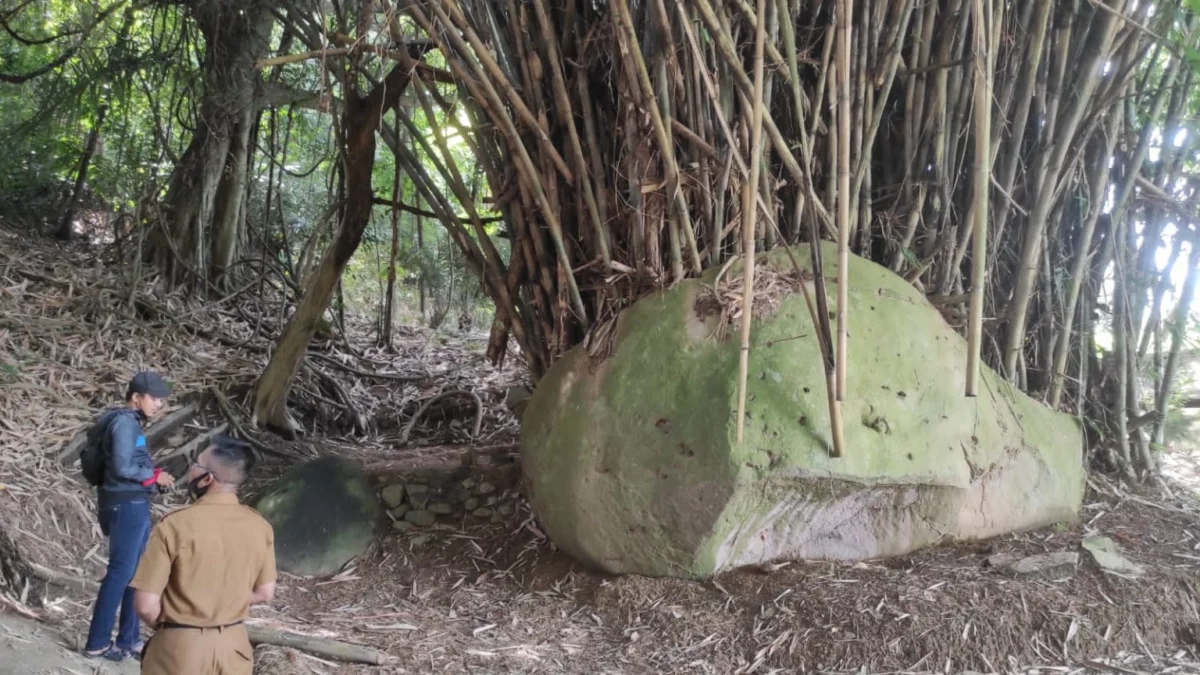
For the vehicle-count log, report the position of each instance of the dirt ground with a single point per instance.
(28, 647)
(494, 595)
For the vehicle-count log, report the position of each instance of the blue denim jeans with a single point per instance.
(127, 525)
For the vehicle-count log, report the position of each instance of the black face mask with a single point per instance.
(195, 490)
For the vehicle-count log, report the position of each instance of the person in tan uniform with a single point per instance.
(204, 566)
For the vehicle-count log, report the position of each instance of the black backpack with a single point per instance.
(91, 459)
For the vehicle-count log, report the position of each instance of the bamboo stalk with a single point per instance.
(893, 64)
(819, 313)
(1152, 333)
(844, 199)
(749, 207)
(525, 163)
(981, 185)
(726, 50)
(1079, 266)
(492, 68)
(632, 50)
(682, 218)
(1177, 327)
(1031, 250)
(493, 268)
(564, 104)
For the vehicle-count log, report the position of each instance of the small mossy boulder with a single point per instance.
(632, 465)
(324, 513)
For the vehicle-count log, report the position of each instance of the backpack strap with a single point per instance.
(111, 416)
(103, 426)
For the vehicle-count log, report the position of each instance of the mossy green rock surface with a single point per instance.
(324, 513)
(632, 465)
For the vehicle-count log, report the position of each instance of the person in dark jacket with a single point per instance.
(123, 501)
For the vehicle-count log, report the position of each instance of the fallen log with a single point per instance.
(197, 443)
(177, 461)
(159, 431)
(154, 435)
(334, 649)
(259, 635)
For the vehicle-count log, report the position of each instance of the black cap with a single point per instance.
(150, 383)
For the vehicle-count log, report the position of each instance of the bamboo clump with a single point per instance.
(632, 145)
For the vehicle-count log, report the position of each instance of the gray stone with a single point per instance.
(324, 513)
(461, 496)
(392, 495)
(469, 483)
(402, 525)
(418, 495)
(441, 508)
(471, 504)
(1044, 563)
(482, 513)
(505, 509)
(491, 501)
(419, 540)
(1108, 556)
(421, 518)
(399, 511)
(486, 488)
(496, 519)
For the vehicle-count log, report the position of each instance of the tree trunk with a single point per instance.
(385, 334)
(209, 183)
(229, 218)
(360, 118)
(66, 225)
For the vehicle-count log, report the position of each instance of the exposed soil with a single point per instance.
(28, 647)
(474, 596)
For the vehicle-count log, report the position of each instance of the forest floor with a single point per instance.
(493, 595)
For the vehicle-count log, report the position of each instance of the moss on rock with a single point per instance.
(632, 464)
(324, 513)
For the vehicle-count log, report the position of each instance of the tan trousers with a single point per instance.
(199, 651)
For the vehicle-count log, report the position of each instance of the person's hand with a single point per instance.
(165, 479)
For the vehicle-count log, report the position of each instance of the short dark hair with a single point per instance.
(234, 456)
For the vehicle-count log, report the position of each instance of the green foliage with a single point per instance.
(124, 65)
(144, 63)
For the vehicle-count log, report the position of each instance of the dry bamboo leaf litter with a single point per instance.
(484, 596)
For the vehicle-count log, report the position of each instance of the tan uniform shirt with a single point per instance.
(205, 559)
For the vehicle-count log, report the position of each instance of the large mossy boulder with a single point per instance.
(324, 513)
(632, 466)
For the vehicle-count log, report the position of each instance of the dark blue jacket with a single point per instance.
(127, 462)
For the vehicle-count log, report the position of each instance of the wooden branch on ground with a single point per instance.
(52, 576)
(259, 448)
(159, 430)
(394, 377)
(360, 421)
(446, 394)
(154, 434)
(334, 649)
(187, 449)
